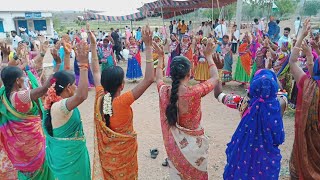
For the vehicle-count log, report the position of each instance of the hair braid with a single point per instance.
(172, 109)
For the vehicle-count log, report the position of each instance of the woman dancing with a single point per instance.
(22, 138)
(253, 152)
(174, 51)
(186, 51)
(202, 72)
(304, 162)
(243, 68)
(106, 53)
(228, 59)
(134, 72)
(115, 141)
(66, 150)
(155, 56)
(180, 114)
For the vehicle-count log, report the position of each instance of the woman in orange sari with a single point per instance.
(243, 68)
(180, 115)
(305, 157)
(115, 141)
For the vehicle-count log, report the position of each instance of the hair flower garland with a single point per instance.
(107, 104)
(52, 96)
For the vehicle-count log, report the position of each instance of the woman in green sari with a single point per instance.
(66, 151)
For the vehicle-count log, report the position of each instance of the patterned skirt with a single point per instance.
(134, 71)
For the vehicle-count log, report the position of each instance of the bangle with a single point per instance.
(149, 61)
(83, 65)
(220, 97)
(83, 68)
(212, 65)
(310, 63)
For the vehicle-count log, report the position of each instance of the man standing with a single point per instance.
(285, 37)
(175, 27)
(139, 38)
(117, 43)
(206, 29)
(297, 25)
(220, 31)
(235, 39)
(15, 40)
(272, 27)
(190, 28)
(183, 29)
(24, 36)
(171, 27)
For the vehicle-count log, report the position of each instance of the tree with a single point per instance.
(311, 8)
(286, 6)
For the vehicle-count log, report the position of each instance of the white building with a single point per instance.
(35, 21)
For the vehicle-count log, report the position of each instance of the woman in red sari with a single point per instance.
(305, 157)
(180, 114)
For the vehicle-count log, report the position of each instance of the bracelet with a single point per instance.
(212, 65)
(84, 66)
(310, 63)
(149, 61)
(220, 97)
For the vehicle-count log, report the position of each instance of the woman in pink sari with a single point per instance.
(180, 114)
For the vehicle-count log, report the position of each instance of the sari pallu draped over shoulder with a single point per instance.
(115, 154)
(305, 159)
(23, 140)
(187, 149)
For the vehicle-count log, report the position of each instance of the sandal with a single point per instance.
(165, 163)
(154, 153)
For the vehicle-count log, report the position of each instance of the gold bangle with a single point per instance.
(149, 61)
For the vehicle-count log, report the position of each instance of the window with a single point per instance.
(40, 25)
(1, 27)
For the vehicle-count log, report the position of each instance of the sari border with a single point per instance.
(14, 112)
(105, 128)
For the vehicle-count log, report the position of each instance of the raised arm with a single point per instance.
(296, 71)
(82, 52)
(159, 71)
(308, 52)
(94, 56)
(67, 51)
(41, 91)
(149, 73)
(214, 76)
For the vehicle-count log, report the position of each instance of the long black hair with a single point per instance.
(63, 79)
(180, 67)
(9, 75)
(111, 79)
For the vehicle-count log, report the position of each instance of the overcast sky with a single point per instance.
(111, 7)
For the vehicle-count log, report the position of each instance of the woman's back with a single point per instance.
(189, 103)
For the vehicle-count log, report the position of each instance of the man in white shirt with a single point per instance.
(235, 39)
(285, 37)
(261, 25)
(175, 27)
(206, 30)
(15, 40)
(297, 24)
(221, 30)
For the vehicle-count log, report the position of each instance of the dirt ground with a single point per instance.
(219, 122)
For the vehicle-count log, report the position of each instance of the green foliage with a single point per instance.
(229, 12)
(80, 23)
(286, 6)
(311, 8)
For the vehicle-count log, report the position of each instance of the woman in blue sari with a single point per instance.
(253, 152)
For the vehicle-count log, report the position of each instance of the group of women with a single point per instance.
(49, 142)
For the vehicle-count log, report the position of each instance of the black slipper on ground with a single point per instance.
(154, 153)
(165, 163)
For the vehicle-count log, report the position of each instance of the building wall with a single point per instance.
(10, 24)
